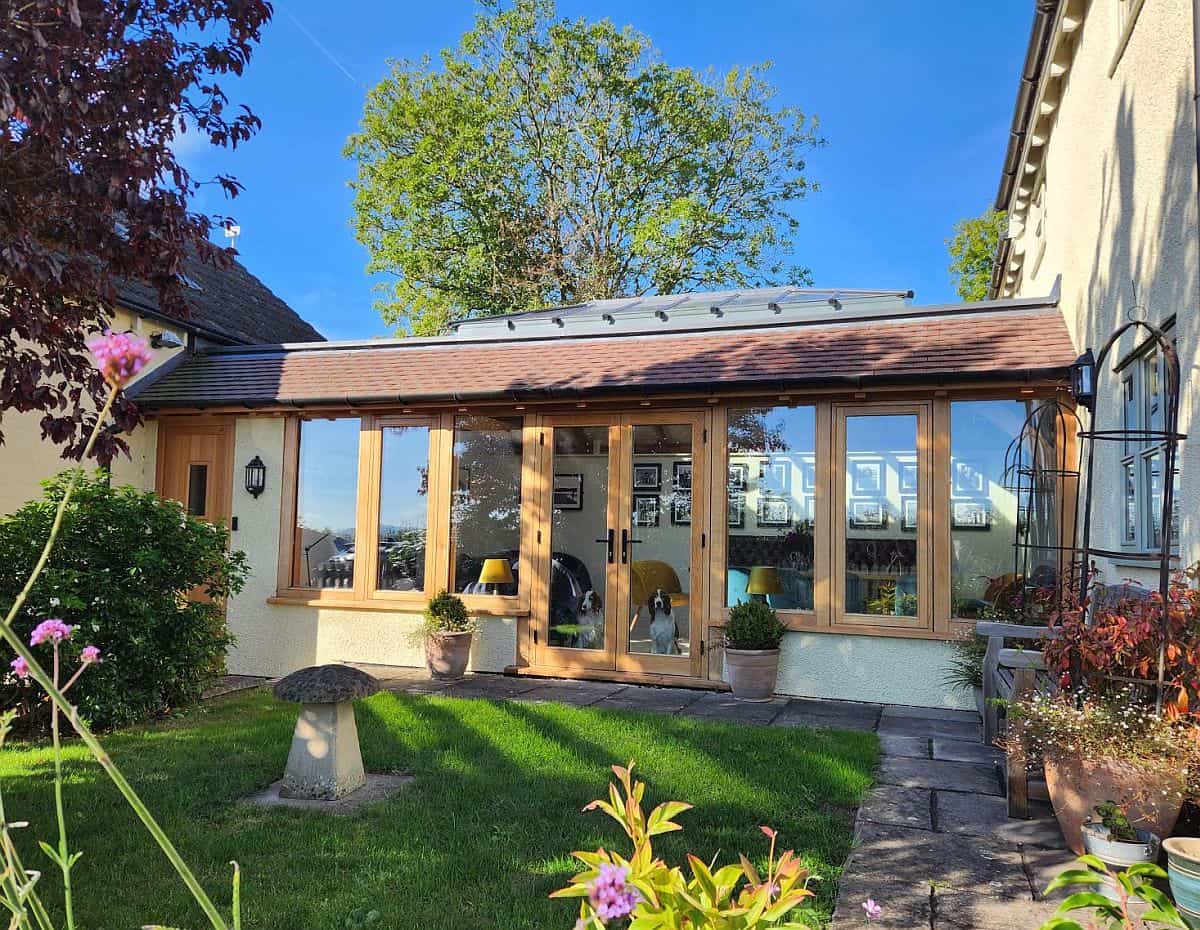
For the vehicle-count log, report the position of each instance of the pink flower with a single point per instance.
(52, 630)
(874, 911)
(89, 655)
(20, 667)
(611, 897)
(120, 356)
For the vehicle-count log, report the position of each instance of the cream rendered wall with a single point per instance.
(1120, 213)
(274, 639)
(26, 459)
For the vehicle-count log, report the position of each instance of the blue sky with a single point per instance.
(915, 100)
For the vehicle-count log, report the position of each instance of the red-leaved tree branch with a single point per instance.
(93, 94)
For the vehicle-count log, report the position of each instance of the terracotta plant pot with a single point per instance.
(752, 673)
(447, 654)
(1152, 800)
(1183, 868)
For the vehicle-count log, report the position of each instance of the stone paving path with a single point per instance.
(933, 842)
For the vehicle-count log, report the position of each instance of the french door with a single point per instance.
(619, 560)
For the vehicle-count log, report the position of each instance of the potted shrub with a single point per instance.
(752, 639)
(447, 631)
(1115, 841)
(1100, 747)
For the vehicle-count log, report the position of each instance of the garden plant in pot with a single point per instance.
(752, 639)
(447, 632)
(1103, 735)
(1112, 839)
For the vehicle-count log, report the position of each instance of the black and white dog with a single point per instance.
(663, 635)
(591, 620)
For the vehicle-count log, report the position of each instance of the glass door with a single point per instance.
(658, 550)
(574, 622)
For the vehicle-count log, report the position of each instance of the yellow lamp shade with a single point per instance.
(764, 579)
(496, 571)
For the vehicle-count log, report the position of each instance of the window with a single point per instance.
(326, 504)
(1144, 401)
(485, 504)
(984, 505)
(771, 506)
(403, 507)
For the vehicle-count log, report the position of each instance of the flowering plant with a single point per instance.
(1108, 725)
(645, 893)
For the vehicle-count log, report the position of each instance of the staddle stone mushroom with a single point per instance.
(325, 762)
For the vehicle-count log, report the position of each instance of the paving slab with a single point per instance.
(840, 715)
(721, 705)
(1043, 865)
(232, 684)
(570, 693)
(930, 773)
(913, 747)
(981, 815)
(931, 713)
(960, 750)
(377, 788)
(656, 700)
(892, 804)
(420, 686)
(927, 727)
(496, 687)
(965, 911)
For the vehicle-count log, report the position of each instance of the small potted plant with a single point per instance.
(752, 639)
(1183, 868)
(1114, 840)
(447, 631)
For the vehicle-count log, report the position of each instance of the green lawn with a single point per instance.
(478, 840)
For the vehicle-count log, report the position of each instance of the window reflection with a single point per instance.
(882, 495)
(985, 510)
(403, 508)
(770, 506)
(485, 505)
(326, 503)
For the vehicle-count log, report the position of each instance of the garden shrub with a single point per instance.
(140, 579)
(754, 625)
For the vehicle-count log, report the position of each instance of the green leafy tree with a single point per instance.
(973, 252)
(549, 161)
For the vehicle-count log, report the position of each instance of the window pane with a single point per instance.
(485, 512)
(882, 493)
(1154, 400)
(1130, 503)
(770, 506)
(1152, 478)
(403, 508)
(326, 503)
(983, 512)
(197, 493)
(1129, 415)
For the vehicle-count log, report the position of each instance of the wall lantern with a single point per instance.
(256, 476)
(1083, 380)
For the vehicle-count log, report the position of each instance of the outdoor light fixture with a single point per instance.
(256, 476)
(1083, 380)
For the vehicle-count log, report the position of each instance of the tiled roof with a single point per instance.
(229, 304)
(1006, 344)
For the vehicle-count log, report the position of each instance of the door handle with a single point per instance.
(609, 540)
(626, 542)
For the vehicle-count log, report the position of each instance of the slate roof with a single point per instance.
(1003, 340)
(229, 305)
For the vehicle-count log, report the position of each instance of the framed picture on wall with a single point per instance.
(738, 473)
(971, 515)
(774, 511)
(568, 492)
(647, 476)
(737, 511)
(867, 515)
(681, 509)
(681, 477)
(868, 477)
(645, 510)
(908, 477)
(908, 514)
(773, 477)
(967, 479)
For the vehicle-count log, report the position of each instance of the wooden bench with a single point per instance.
(1012, 674)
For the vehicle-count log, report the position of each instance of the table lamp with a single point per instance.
(764, 580)
(496, 572)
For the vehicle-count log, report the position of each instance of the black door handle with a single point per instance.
(626, 542)
(609, 540)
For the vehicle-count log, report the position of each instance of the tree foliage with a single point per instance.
(93, 95)
(973, 252)
(549, 161)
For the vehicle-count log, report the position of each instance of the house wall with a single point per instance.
(1118, 221)
(26, 459)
